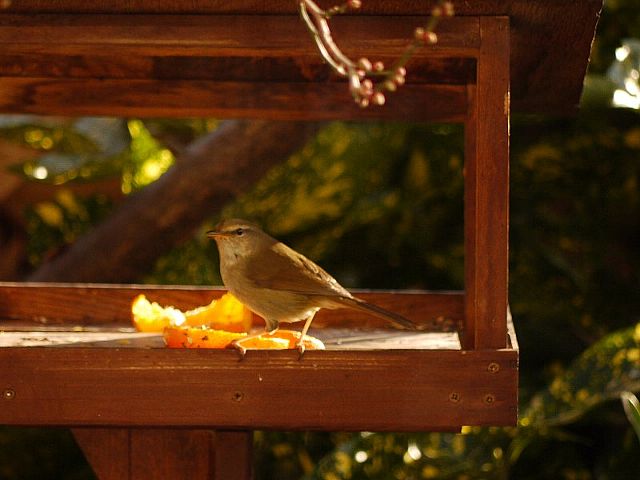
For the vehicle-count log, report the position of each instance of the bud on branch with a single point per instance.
(367, 81)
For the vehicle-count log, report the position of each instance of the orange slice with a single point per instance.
(151, 317)
(226, 313)
(202, 337)
(198, 337)
(292, 337)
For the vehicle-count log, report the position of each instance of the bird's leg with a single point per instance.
(237, 343)
(303, 333)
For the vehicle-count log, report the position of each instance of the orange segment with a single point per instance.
(201, 337)
(200, 315)
(198, 337)
(226, 313)
(292, 336)
(151, 317)
(266, 342)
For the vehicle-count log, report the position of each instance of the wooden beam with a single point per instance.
(201, 98)
(221, 35)
(487, 192)
(379, 390)
(550, 39)
(101, 304)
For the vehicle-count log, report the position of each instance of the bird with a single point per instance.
(279, 284)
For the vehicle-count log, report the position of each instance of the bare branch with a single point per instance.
(213, 171)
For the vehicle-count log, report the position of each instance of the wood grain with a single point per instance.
(107, 450)
(220, 36)
(300, 69)
(94, 305)
(487, 192)
(377, 7)
(203, 98)
(160, 453)
(400, 390)
(233, 455)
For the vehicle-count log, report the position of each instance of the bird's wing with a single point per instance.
(291, 271)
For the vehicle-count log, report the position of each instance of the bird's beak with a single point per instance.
(213, 234)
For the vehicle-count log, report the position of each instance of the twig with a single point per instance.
(367, 81)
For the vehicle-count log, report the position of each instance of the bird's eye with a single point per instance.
(239, 231)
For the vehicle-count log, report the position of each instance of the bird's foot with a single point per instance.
(300, 347)
(237, 344)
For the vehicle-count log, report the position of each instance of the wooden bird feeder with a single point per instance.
(139, 410)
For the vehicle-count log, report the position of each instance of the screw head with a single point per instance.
(238, 396)
(454, 397)
(493, 367)
(489, 399)
(8, 394)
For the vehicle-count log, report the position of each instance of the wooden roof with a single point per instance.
(246, 58)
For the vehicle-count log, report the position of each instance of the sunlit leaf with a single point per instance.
(605, 370)
(632, 410)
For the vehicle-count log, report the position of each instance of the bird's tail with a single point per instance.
(395, 318)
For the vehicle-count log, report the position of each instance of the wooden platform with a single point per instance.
(99, 372)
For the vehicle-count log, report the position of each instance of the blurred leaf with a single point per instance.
(110, 135)
(479, 453)
(22, 121)
(605, 370)
(176, 134)
(58, 222)
(83, 148)
(632, 410)
(601, 373)
(597, 92)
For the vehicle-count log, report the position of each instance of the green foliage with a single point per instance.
(620, 19)
(575, 220)
(86, 150)
(603, 372)
(386, 191)
(79, 149)
(52, 224)
(553, 426)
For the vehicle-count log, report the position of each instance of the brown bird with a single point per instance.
(278, 283)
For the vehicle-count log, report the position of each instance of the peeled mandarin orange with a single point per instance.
(151, 317)
(202, 337)
(198, 337)
(226, 313)
(266, 342)
(292, 336)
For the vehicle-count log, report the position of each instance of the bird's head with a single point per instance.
(239, 237)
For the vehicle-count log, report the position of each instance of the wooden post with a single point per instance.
(233, 455)
(486, 203)
(149, 454)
